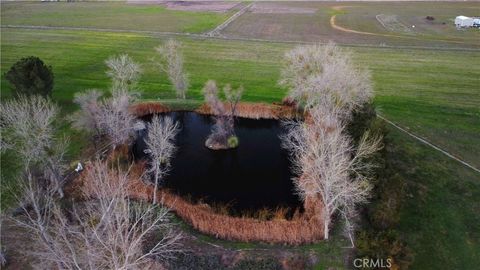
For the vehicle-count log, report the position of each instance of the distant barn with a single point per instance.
(464, 21)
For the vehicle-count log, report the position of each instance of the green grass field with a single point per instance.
(430, 92)
(433, 93)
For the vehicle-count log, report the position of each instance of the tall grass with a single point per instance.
(256, 110)
(146, 108)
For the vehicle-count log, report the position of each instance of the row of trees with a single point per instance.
(31, 76)
(325, 83)
(109, 116)
(110, 230)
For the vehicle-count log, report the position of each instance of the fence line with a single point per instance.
(429, 144)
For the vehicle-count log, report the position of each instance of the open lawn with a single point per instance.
(433, 93)
(430, 92)
(441, 214)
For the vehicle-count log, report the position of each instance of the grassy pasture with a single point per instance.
(440, 216)
(110, 14)
(430, 92)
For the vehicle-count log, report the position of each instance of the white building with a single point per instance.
(463, 21)
(476, 22)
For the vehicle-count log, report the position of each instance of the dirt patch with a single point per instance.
(276, 8)
(212, 6)
(18, 246)
(393, 24)
(343, 29)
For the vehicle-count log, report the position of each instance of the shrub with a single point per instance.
(384, 212)
(232, 141)
(30, 76)
(379, 239)
(385, 244)
(361, 121)
(190, 260)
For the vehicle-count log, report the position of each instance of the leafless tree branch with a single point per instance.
(123, 71)
(326, 75)
(327, 164)
(160, 148)
(28, 130)
(172, 64)
(107, 232)
(223, 129)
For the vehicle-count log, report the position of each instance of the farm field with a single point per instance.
(416, 89)
(441, 27)
(110, 15)
(430, 92)
(308, 21)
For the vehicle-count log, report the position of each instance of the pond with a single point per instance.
(253, 176)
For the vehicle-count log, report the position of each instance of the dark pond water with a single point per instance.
(253, 176)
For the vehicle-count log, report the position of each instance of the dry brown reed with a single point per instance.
(301, 229)
(256, 110)
(243, 109)
(146, 108)
(296, 231)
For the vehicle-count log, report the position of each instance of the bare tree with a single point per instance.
(117, 121)
(123, 71)
(89, 116)
(172, 64)
(219, 133)
(109, 232)
(327, 165)
(326, 75)
(110, 117)
(210, 92)
(223, 130)
(28, 130)
(232, 96)
(27, 127)
(55, 165)
(160, 148)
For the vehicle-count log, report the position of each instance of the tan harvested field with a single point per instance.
(279, 8)
(210, 6)
(358, 23)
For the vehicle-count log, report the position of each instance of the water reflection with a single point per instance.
(252, 176)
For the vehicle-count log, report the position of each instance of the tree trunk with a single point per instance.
(58, 179)
(325, 229)
(155, 189)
